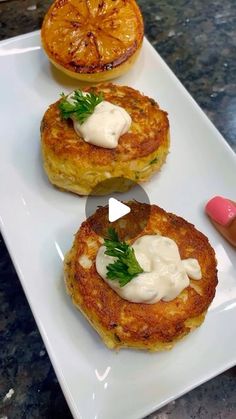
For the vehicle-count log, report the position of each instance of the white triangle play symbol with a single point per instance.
(116, 209)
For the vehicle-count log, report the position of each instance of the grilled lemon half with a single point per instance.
(121, 323)
(93, 40)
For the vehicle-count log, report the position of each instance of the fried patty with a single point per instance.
(121, 323)
(77, 166)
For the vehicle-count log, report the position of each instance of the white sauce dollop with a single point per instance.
(165, 274)
(105, 126)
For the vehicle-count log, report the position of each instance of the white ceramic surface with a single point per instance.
(38, 223)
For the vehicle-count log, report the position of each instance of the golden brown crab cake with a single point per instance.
(121, 323)
(77, 166)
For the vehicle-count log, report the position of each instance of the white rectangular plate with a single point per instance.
(38, 223)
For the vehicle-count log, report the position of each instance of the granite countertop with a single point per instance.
(198, 41)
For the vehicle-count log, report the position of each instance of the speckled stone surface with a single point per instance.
(198, 41)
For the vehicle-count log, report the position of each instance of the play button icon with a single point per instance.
(120, 213)
(116, 209)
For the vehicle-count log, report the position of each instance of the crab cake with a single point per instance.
(121, 323)
(77, 166)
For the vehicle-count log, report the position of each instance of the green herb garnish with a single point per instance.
(82, 107)
(126, 267)
(153, 161)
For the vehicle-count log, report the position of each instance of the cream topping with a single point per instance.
(105, 126)
(165, 275)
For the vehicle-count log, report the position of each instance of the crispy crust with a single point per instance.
(87, 38)
(75, 165)
(142, 326)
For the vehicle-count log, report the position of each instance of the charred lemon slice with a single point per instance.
(93, 40)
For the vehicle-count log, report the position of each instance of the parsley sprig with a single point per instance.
(82, 107)
(126, 266)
